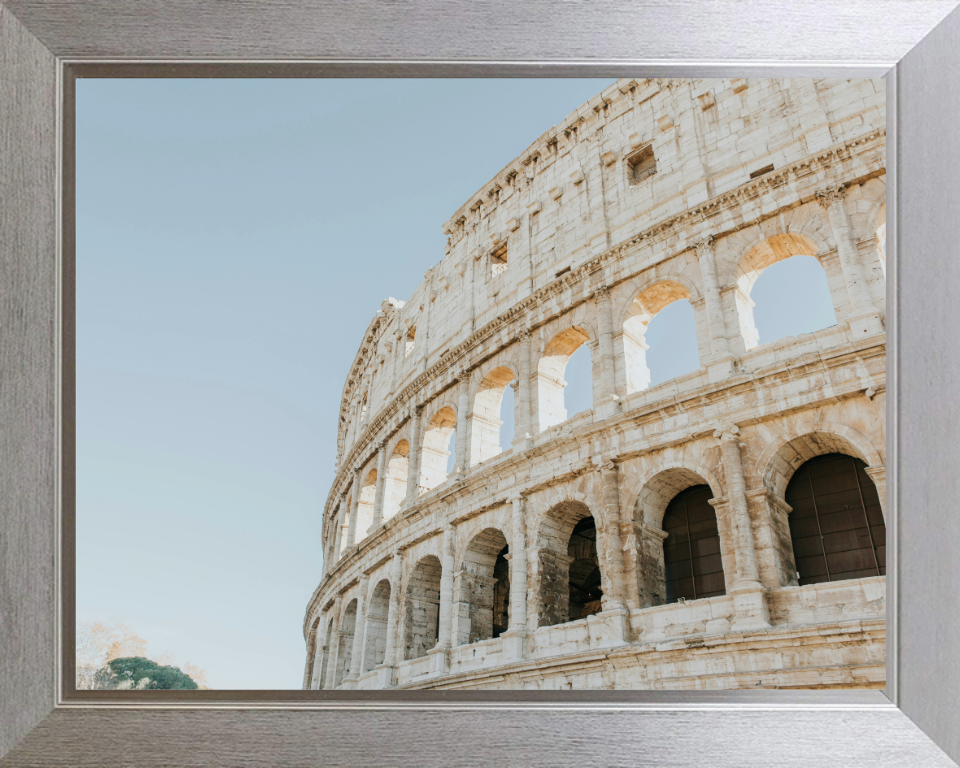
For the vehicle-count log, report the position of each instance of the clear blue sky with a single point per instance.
(234, 239)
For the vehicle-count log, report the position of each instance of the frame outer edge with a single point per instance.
(929, 547)
(28, 377)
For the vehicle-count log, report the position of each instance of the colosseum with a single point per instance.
(720, 530)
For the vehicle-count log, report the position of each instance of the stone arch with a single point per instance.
(763, 254)
(348, 625)
(397, 477)
(659, 486)
(482, 588)
(312, 651)
(784, 455)
(368, 491)
(645, 305)
(484, 421)
(551, 364)
(434, 449)
(325, 653)
(422, 607)
(570, 581)
(375, 626)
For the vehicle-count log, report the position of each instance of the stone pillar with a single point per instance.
(613, 591)
(634, 572)
(413, 465)
(399, 351)
(515, 637)
(385, 677)
(350, 681)
(314, 682)
(334, 645)
(354, 506)
(463, 405)
(722, 363)
(438, 654)
(523, 437)
(381, 485)
(606, 403)
(749, 595)
(879, 476)
(863, 317)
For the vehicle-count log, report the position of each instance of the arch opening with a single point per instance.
(422, 608)
(375, 626)
(553, 364)
(569, 566)
(348, 625)
(485, 419)
(436, 448)
(836, 524)
(670, 345)
(783, 288)
(395, 483)
(693, 567)
(368, 490)
(482, 588)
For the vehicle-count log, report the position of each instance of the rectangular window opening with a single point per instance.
(498, 260)
(408, 348)
(641, 165)
(762, 171)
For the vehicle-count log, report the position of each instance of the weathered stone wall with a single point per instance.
(654, 191)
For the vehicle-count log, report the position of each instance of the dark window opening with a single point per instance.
(640, 165)
(762, 171)
(585, 590)
(693, 568)
(501, 593)
(563, 271)
(411, 335)
(498, 260)
(836, 524)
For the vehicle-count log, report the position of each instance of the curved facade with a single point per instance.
(723, 529)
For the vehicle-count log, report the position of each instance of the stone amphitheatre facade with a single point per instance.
(724, 529)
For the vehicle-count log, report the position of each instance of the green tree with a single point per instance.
(136, 672)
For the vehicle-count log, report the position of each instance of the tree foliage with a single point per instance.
(142, 674)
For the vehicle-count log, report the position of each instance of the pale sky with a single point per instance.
(234, 239)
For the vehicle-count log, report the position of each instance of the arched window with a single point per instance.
(437, 447)
(422, 619)
(552, 403)
(485, 419)
(783, 290)
(479, 617)
(836, 524)
(691, 551)
(313, 651)
(395, 488)
(570, 577)
(347, 627)
(659, 336)
(375, 630)
(368, 490)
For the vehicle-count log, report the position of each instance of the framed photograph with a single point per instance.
(653, 463)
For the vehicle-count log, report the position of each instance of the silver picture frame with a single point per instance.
(45, 46)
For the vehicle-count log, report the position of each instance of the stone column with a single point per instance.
(385, 677)
(350, 681)
(413, 462)
(315, 682)
(613, 593)
(523, 437)
(438, 661)
(863, 317)
(607, 401)
(722, 361)
(463, 405)
(879, 476)
(515, 637)
(334, 645)
(398, 354)
(634, 572)
(381, 485)
(749, 595)
(354, 502)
